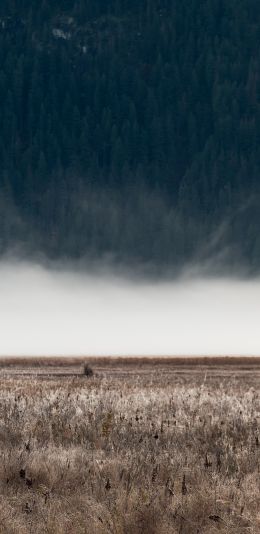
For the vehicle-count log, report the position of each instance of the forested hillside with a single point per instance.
(132, 129)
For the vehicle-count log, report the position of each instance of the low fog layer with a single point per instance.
(48, 312)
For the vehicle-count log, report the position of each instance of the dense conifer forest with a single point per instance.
(131, 130)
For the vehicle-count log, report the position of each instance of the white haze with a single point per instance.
(48, 312)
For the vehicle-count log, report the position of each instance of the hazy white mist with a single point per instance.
(48, 312)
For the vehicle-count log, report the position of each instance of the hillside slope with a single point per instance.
(131, 129)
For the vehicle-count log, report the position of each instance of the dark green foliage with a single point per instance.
(114, 99)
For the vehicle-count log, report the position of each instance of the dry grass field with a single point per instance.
(164, 446)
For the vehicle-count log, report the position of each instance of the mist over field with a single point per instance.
(47, 311)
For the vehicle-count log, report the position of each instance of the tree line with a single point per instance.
(114, 101)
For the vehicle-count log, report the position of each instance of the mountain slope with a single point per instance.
(103, 100)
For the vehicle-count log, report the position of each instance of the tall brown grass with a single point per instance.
(132, 454)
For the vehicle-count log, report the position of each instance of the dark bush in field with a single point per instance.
(87, 370)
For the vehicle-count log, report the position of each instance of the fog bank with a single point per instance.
(52, 312)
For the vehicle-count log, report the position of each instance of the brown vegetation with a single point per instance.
(135, 453)
(130, 361)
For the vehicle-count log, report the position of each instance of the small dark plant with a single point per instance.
(87, 370)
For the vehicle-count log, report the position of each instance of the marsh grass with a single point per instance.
(133, 455)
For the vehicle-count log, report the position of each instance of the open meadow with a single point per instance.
(139, 447)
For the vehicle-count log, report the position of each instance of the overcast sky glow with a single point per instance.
(46, 312)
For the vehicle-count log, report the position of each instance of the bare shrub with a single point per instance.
(87, 370)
